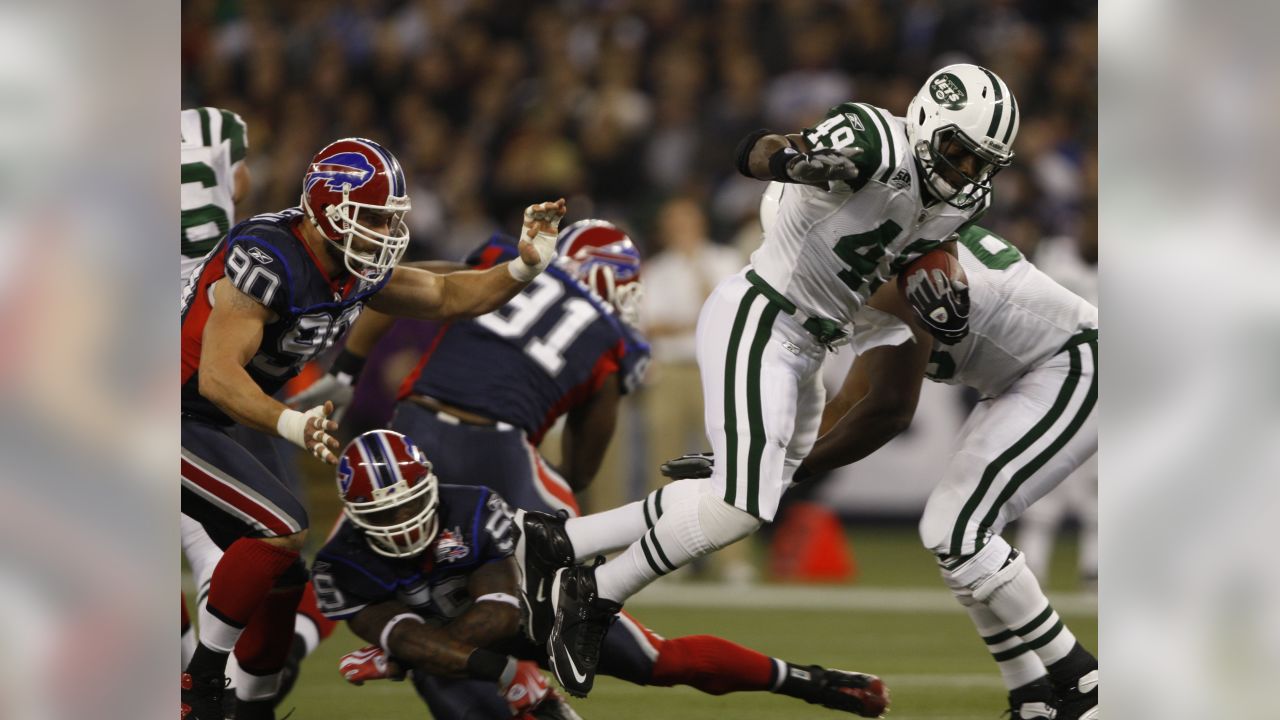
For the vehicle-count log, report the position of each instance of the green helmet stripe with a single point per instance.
(995, 118)
(886, 135)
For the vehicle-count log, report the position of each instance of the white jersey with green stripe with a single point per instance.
(1020, 317)
(213, 142)
(828, 249)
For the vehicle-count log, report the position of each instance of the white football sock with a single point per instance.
(686, 530)
(1018, 664)
(1022, 605)
(612, 530)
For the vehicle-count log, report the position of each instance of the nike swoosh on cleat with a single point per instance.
(580, 677)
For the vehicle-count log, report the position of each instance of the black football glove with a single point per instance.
(857, 693)
(940, 303)
(690, 467)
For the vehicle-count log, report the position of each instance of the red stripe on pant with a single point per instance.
(558, 490)
(233, 496)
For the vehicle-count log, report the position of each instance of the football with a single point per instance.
(938, 259)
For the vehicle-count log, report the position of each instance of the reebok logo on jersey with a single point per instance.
(260, 255)
(855, 122)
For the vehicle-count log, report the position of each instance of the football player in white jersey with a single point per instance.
(1032, 351)
(215, 177)
(866, 193)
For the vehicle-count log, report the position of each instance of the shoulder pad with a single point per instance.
(864, 126)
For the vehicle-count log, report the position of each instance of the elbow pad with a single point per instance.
(742, 154)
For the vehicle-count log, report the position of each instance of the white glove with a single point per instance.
(337, 389)
(310, 431)
(537, 240)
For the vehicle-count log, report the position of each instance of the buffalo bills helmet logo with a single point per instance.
(345, 475)
(344, 170)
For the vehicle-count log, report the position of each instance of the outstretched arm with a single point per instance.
(426, 295)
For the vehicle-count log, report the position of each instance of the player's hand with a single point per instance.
(527, 688)
(538, 239)
(858, 693)
(940, 302)
(332, 388)
(312, 431)
(821, 166)
(691, 466)
(369, 663)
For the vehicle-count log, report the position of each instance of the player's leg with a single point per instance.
(716, 666)
(752, 372)
(260, 525)
(1015, 448)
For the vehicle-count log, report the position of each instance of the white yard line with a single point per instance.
(790, 597)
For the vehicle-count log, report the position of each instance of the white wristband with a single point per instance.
(500, 597)
(386, 629)
(292, 426)
(522, 271)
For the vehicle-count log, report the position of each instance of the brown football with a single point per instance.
(938, 259)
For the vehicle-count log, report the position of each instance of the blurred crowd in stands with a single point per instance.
(621, 105)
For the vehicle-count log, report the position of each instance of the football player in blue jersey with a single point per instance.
(276, 290)
(485, 392)
(427, 574)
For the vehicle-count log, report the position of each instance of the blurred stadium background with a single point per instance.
(631, 110)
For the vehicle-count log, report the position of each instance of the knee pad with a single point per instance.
(981, 573)
(723, 524)
(674, 494)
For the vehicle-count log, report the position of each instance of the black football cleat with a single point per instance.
(582, 619)
(202, 697)
(1034, 701)
(1079, 700)
(543, 548)
(852, 692)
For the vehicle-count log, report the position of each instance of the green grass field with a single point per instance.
(896, 622)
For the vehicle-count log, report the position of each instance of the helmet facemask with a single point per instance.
(935, 163)
(344, 217)
(625, 299)
(399, 524)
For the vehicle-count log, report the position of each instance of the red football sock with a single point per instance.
(264, 645)
(711, 664)
(307, 606)
(243, 577)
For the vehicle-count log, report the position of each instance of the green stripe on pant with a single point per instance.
(755, 416)
(730, 408)
(1008, 456)
(1020, 477)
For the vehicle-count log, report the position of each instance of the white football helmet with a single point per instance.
(968, 106)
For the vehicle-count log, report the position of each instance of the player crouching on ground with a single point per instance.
(426, 572)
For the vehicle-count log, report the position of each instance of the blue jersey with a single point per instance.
(529, 362)
(476, 527)
(266, 258)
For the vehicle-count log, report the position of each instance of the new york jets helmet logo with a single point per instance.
(948, 91)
